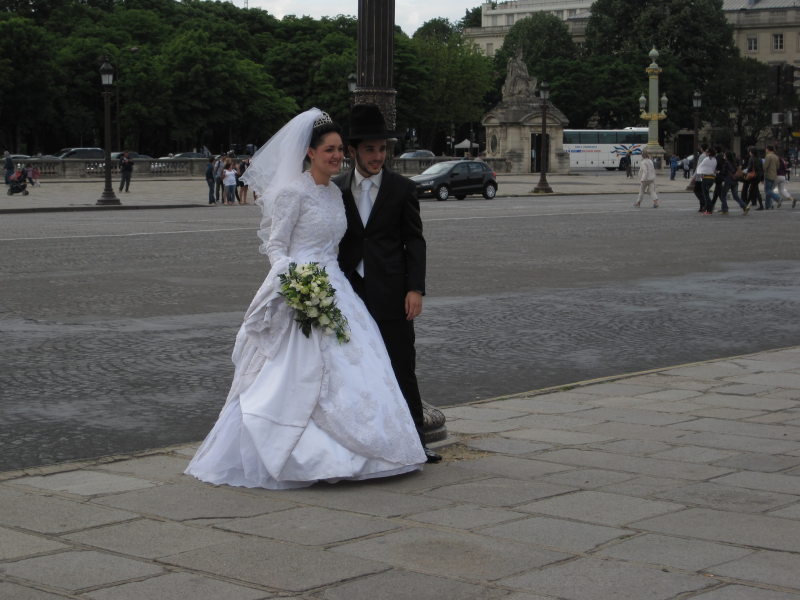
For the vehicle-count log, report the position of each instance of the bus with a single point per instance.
(602, 148)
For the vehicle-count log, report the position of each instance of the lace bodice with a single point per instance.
(308, 221)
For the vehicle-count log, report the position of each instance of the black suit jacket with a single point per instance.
(391, 245)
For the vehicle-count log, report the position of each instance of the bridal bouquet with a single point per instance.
(309, 292)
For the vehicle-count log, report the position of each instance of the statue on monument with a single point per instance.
(519, 85)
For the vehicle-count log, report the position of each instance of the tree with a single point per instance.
(542, 37)
(472, 18)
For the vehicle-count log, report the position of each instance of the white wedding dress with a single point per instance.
(302, 410)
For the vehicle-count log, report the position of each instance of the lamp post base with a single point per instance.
(542, 187)
(108, 199)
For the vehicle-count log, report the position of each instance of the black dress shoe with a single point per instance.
(431, 456)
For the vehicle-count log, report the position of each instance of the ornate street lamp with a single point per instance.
(653, 147)
(733, 115)
(107, 80)
(543, 187)
(352, 83)
(697, 102)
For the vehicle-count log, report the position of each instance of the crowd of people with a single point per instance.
(225, 179)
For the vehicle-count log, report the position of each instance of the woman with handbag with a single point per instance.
(705, 174)
(731, 175)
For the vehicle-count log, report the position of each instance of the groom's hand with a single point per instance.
(413, 305)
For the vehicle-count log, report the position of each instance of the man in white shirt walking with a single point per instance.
(647, 180)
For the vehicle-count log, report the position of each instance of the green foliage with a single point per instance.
(472, 18)
(542, 37)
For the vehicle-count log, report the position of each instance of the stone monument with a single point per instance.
(513, 127)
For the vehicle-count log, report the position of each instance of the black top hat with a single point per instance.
(367, 123)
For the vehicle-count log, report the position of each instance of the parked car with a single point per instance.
(189, 155)
(417, 154)
(116, 155)
(457, 178)
(90, 153)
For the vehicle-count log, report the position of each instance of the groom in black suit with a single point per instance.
(383, 251)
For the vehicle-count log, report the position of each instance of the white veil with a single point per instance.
(277, 163)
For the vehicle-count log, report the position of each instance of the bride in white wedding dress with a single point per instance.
(306, 409)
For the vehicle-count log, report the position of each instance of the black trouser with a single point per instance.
(399, 337)
(124, 180)
(698, 192)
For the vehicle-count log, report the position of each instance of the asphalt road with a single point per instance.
(116, 328)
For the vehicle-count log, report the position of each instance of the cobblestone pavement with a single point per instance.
(117, 326)
(667, 485)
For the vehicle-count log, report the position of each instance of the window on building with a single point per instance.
(489, 49)
(752, 44)
(777, 42)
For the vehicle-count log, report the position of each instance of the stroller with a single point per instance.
(17, 184)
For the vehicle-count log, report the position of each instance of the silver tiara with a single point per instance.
(323, 119)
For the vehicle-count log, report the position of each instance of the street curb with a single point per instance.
(450, 440)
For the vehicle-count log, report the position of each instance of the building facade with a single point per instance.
(767, 30)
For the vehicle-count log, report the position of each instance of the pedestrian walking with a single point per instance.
(771, 163)
(754, 173)
(647, 180)
(625, 164)
(731, 172)
(705, 174)
(210, 181)
(783, 176)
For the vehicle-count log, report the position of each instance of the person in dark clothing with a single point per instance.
(125, 171)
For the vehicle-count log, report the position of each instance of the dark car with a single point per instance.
(417, 154)
(456, 178)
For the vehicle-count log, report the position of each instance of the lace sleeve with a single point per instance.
(285, 213)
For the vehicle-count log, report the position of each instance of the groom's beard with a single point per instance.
(368, 168)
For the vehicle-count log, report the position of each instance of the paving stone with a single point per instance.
(723, 526)
(506, 446)
(662, 550)
(14, 544)
(12, 591)
(467, 516)
(741, 592)
(774, 568)
(467, 427)
(78, 570)
(634, 447)
(726, 497)
(707, 372)
(775, 482)
(727, 413)
(557, 534)
(776, 432)
(669, 381)
(179, 586)
(671, 395)
(434, 476)
(615, 388)
(592, 579)
(524, 596)
(619, 402)
(746, 402)
(750, 461)
(631, 431)
(361, 498)
(741, 389)
(454, 554)
(600, 507)
(572, 421)
(53, 515)
(643, 487)
(311, 526)
(561, 402)
(741, 443)
(275, 564)
(160, 467)
(696, 454)
(789, 512)
(393, 584)
(788, 417)
(481, 413)
(181, 501)
(587, 478)
(498, 491)
(632, 464)
(86, 483)
(513, 467)
(557, 437)
(632, 415)
(774, 380)
(682, 407)
(150, 539)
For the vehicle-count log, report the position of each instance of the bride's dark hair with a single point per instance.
(320, 131)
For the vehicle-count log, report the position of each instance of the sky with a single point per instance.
(409, 14)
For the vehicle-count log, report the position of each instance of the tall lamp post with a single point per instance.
(697, 102)
(733, 114)
(653, 147)
(543, 187)
(107, 79)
